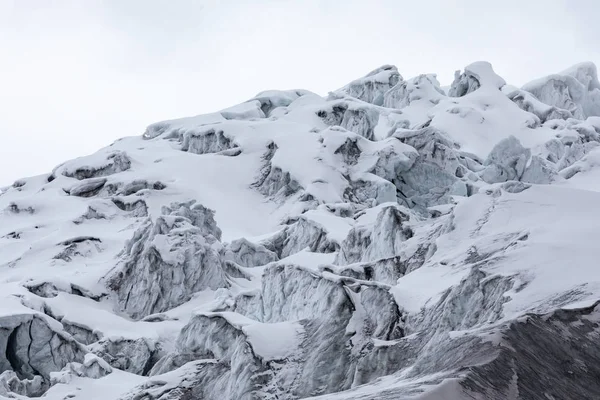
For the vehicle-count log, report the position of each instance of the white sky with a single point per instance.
(75, 75)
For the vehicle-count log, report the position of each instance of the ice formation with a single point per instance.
(387, 241)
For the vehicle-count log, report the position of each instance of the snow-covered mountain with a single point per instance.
(389, 241)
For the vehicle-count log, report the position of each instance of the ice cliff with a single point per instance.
(387, 241)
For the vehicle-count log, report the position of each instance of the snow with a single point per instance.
(274, 341)
(308, 259)
(269, 341)
(111, 386)
(475, 257)
(482, 70)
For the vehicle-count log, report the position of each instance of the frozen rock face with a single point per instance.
(169, 259)
(387, 241)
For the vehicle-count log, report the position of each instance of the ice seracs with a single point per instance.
(576, 90)
(387, 241)
(169, 259)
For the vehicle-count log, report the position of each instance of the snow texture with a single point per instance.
(387, 241)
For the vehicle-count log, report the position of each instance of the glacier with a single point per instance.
(390, 240)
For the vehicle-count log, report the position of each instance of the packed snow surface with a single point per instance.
(392, 240)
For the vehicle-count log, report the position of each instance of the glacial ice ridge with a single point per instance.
(386, 241)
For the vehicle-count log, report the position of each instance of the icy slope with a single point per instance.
(388, 241)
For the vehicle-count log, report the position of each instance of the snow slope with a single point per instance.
(388, 241)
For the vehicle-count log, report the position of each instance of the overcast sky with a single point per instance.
(75, 75)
